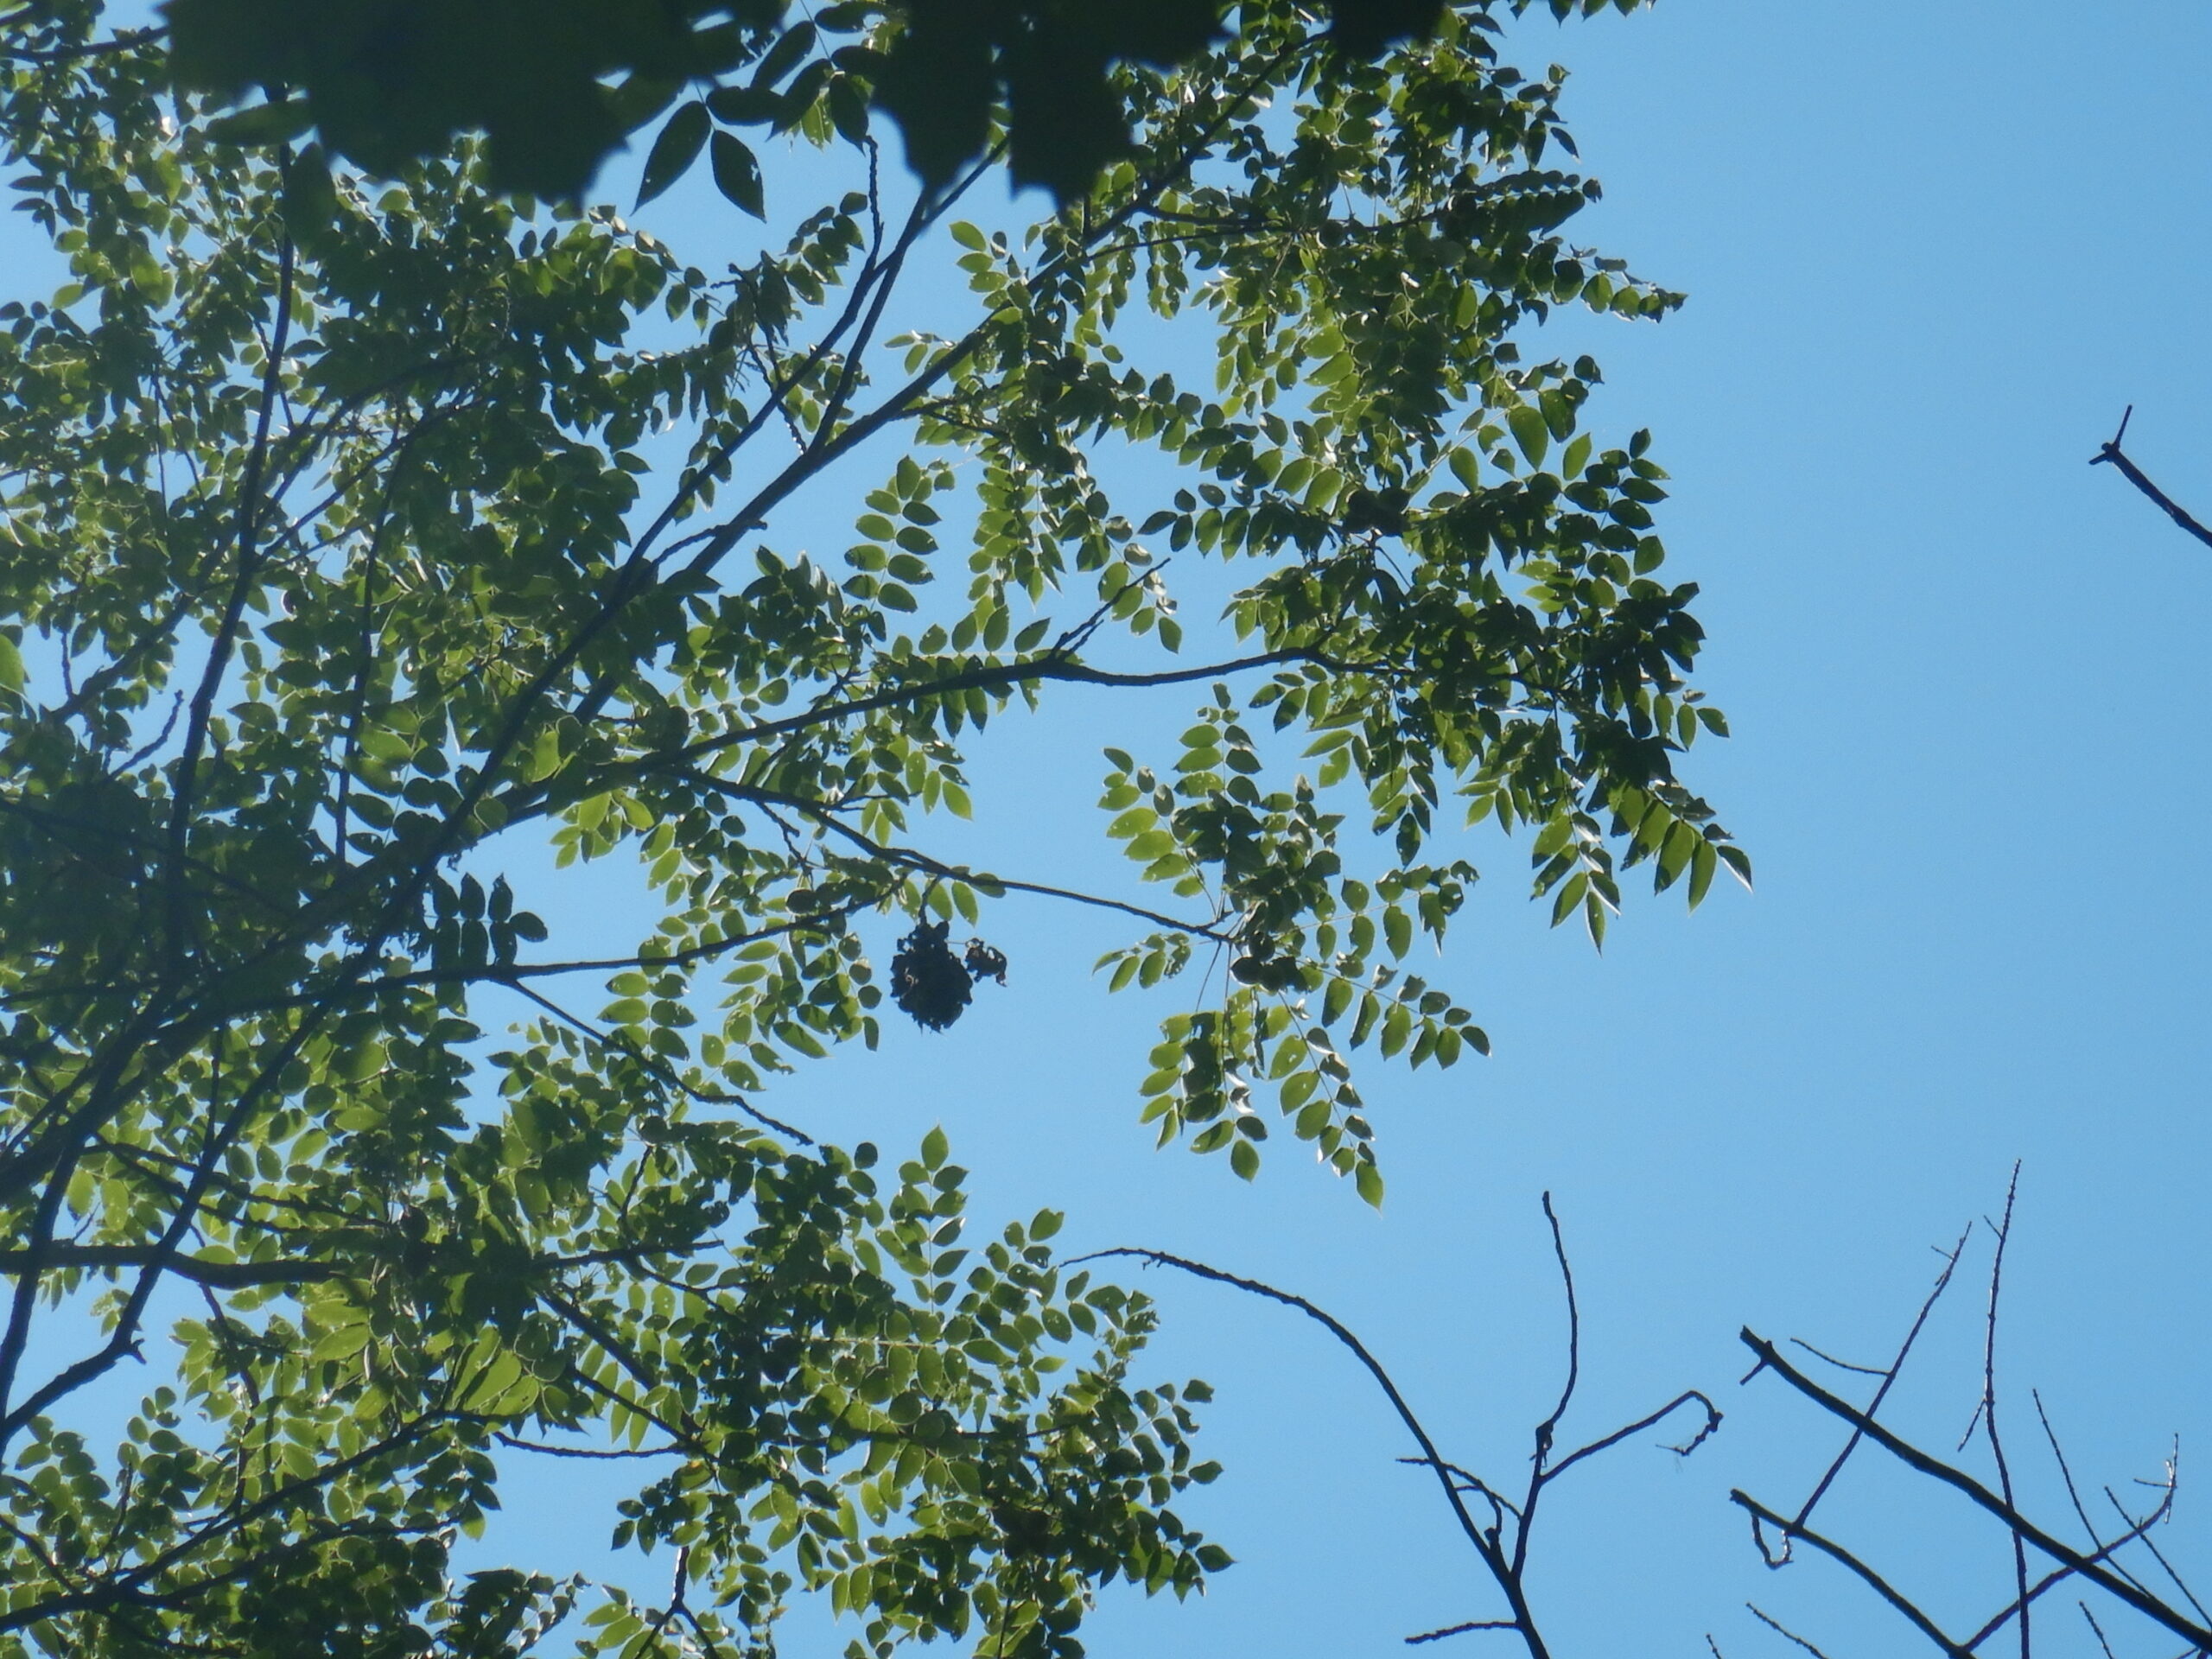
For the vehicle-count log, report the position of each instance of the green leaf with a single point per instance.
(342, 1342)
(674, 149)
(1703, 863)
(264, 124)
(745, 106)
(1369, 1180)
(737, 175)
(1738, 861)
(1530, 432)
(310, 200)
(1559, 416)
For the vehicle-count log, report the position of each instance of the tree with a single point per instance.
(359, 532)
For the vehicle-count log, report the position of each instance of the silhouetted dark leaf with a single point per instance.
(1365, 27)
(675, 150)
(737, 175)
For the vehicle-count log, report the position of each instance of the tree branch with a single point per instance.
(2110, 452)
(1958, 1480)
(1881, 1586)
(990, 884)
(1502, 1570)
(1052, 665)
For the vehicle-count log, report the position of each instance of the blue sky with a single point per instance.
(1932, 251)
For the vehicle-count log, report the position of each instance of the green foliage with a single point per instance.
(361, 539)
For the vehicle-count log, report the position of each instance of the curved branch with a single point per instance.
(989, 884)
(1493, 1557)
(1052, 665)
(1711, 1427)
(1836, 1552)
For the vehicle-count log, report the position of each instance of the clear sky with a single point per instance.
(1932, 250)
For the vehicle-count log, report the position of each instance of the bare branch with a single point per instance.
(2059, 1575)
(1776, 1625)
(1461, 1629)
(1710, 1427)
(1054, 665)
(220, 1275)
(2110, 452)
(2112, 1583)
(1761, 1516)
(1486, 1546)
(1889, 1378)
(586, 1452)
(250, 498)
(1987, 1413)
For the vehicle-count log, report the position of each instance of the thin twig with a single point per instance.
(1776, 1625)
(991, 886)
(1841, 1365)
(2065, 1469)
(1549, 1429)
(2097, 1628)
(705, 1097)
(1889, 1378)
(1988, 1410)
(2158, 1555)
(1461, 1629)
(1706, 1431)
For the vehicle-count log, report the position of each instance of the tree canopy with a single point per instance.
(360, 534)
(556, 86)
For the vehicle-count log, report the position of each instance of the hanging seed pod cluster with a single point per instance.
(932, 984)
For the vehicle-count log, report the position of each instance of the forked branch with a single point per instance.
(1503, 1545)
(2110, 453)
